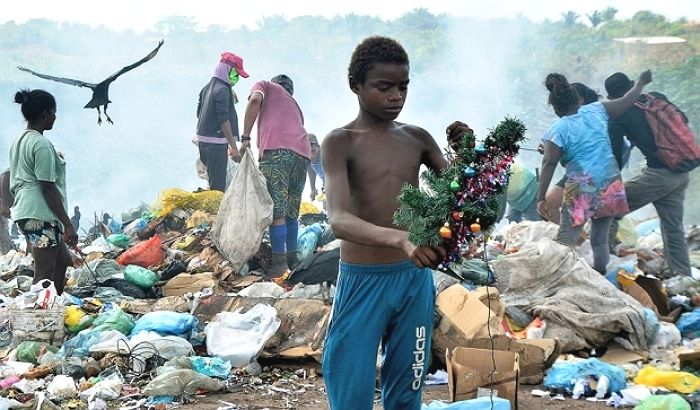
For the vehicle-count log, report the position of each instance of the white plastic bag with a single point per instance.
(62, 387)
(175, 382)
(168, 347)
(110, 341)
(667, 337)
(46, 293)
(244, 213)
(231, 171)
(262, 290)
(239, 337)
(108, 388)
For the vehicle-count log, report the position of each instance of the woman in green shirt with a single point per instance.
(38, 183)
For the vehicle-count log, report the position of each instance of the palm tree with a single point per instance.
(609, 13)
(570, 18)
(596, 18)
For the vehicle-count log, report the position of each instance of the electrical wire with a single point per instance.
(139, 360)
(488, 322)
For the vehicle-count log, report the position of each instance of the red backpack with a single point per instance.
(675, 142)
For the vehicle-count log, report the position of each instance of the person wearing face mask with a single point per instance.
(217, 125)
(285, 153)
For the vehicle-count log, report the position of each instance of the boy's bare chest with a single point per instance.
(388, 161)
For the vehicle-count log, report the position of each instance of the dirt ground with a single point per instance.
(316, 399)
(301, 388)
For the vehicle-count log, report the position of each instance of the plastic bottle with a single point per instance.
(602, 387)
(536, 329)
(579, 389)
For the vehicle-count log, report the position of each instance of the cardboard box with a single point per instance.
(535, 356)
(469, 313)
(469, 369)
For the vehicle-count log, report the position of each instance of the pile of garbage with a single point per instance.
(156, 314)
(162, 310)
(629, 338)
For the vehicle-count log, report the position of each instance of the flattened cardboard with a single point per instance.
(186, 283)
(641, 296)
(690, 359)
(468, 369)
(657, 293)
(616, 354)
(142, 306)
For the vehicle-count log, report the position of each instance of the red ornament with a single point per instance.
(457, 216)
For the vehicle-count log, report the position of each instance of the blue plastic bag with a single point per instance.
(647, 227)
(474, 404)
(307, 239)
(651, 325)
(115, 226)
(166, 323)
(211, 366)
(689, 324)
(79, 345)
(563, 375)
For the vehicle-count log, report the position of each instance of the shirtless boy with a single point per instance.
(385, 289)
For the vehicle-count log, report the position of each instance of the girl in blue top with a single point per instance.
(579, 139)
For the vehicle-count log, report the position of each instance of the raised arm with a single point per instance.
(617, 107)
(435, 159)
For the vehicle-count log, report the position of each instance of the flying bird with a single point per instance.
(100, 91)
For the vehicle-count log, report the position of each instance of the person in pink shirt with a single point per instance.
(285, 154)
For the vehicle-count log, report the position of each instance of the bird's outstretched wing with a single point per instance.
(59, 79)
(136, 64)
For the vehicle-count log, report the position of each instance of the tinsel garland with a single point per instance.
(461, 202)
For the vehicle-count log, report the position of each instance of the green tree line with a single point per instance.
(465, 68)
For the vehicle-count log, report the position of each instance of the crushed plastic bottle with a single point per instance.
(602, 387)
(579, 389)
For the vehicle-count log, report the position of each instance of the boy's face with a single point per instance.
(384, 90)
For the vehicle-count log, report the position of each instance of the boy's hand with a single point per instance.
(425, 256)
(645, 77)
(455, 131)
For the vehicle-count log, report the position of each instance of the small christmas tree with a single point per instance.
(461, 201)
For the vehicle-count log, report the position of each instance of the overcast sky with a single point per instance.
(141, 14)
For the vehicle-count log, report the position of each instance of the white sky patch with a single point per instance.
(139, 15)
